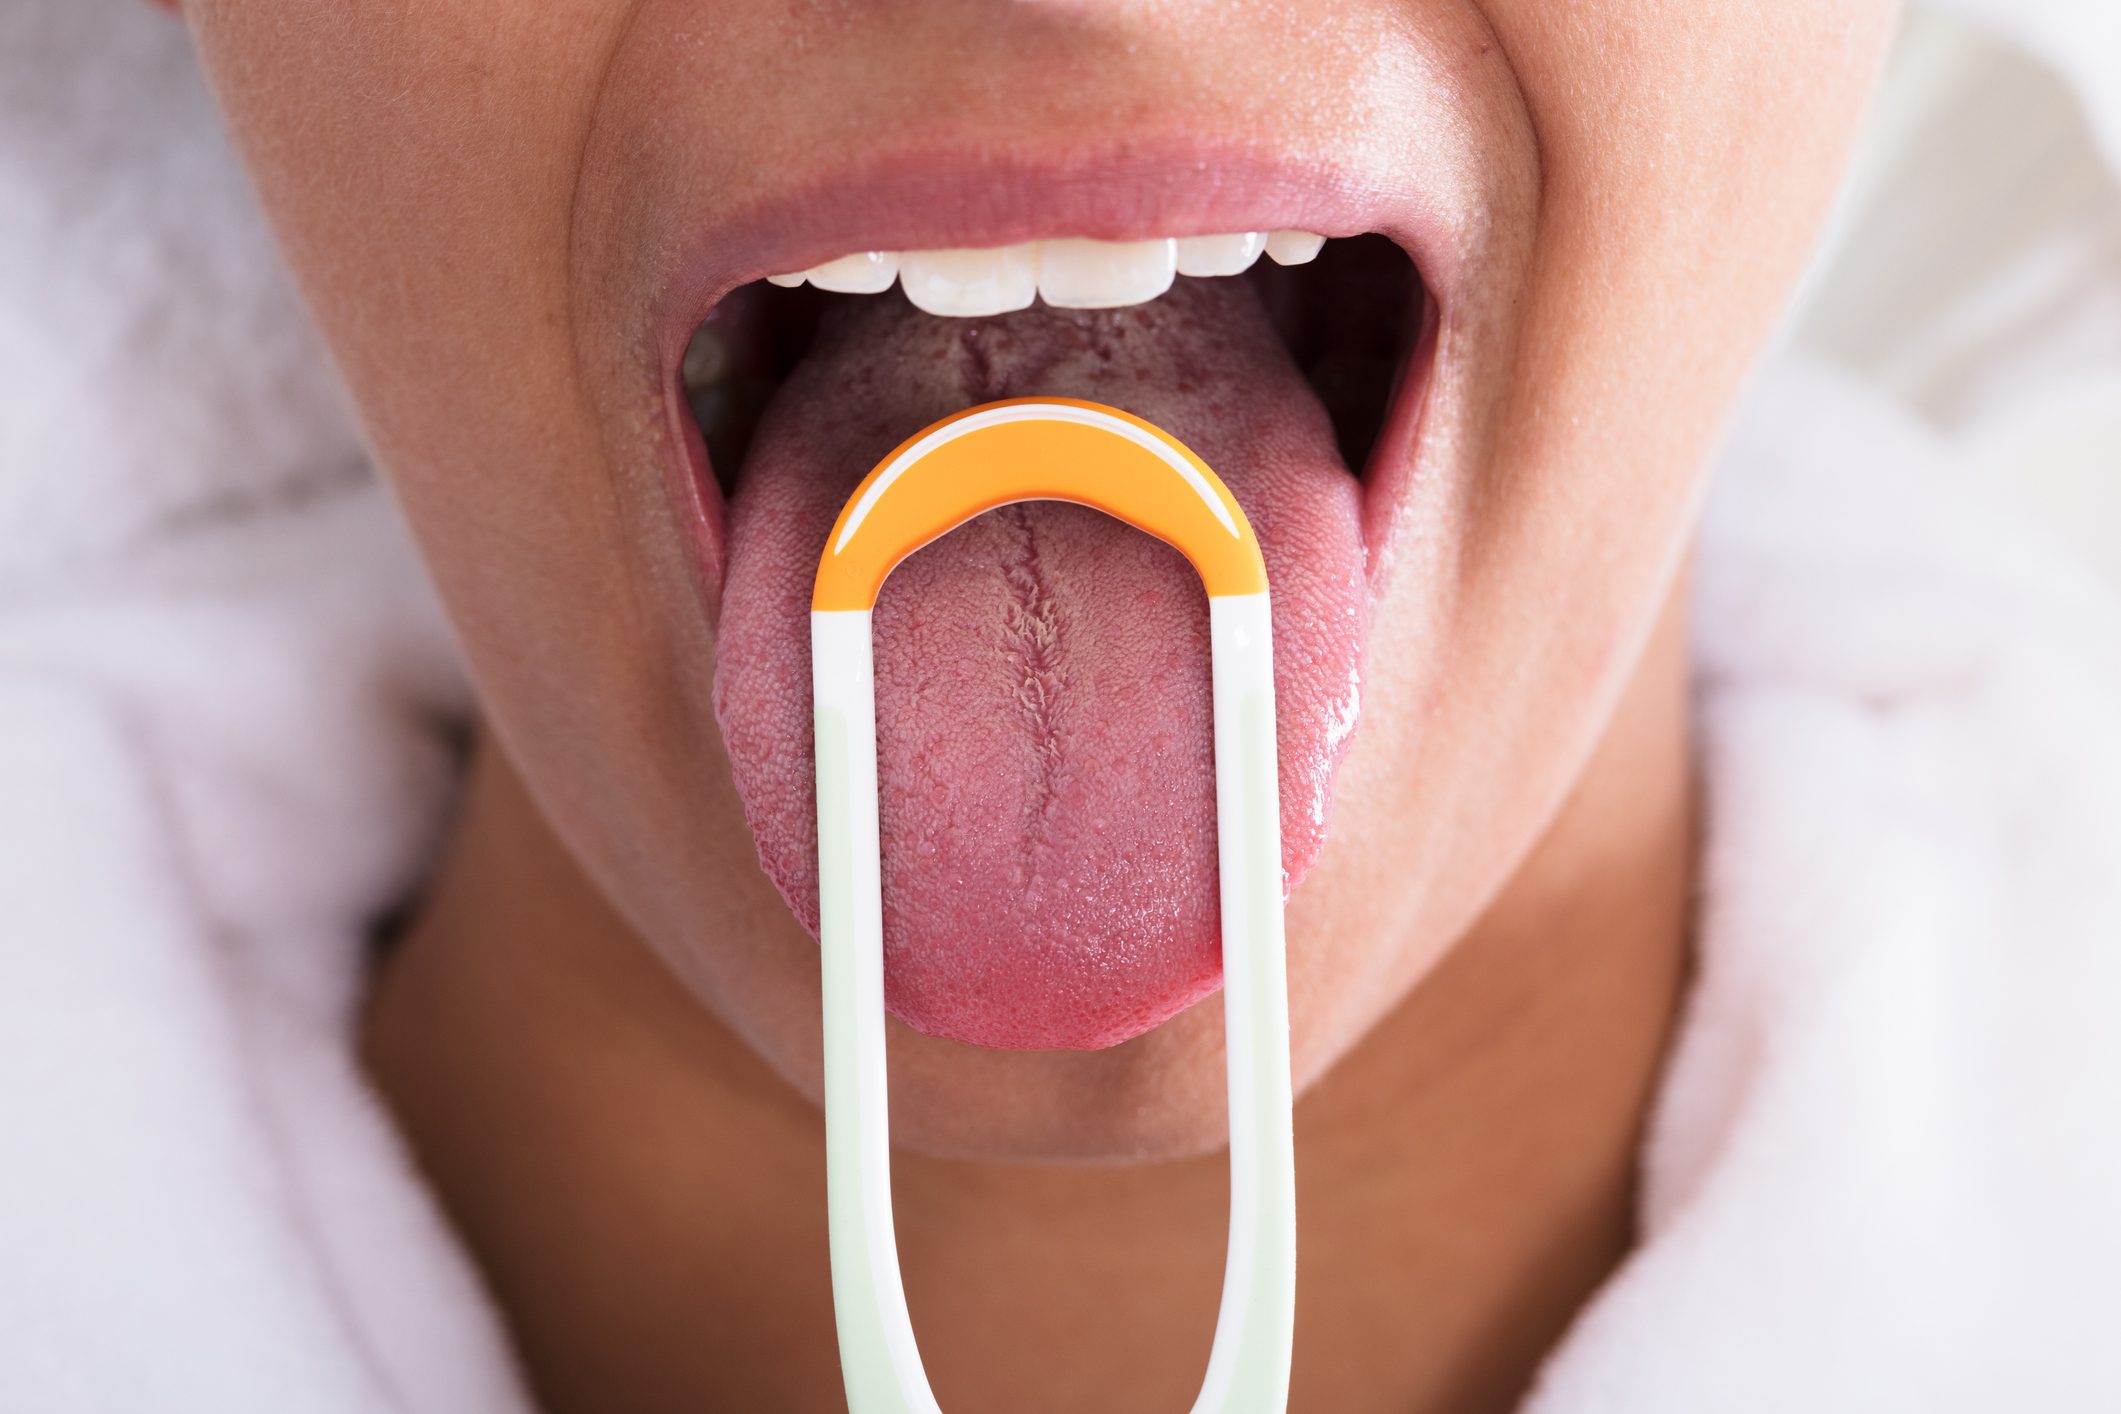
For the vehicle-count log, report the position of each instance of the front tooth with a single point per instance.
(970, 284)
(1080, 274)
(866, 272)
(1293, 247)
(1220, 255)
(787, 282)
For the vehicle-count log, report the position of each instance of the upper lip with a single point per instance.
(940, 199)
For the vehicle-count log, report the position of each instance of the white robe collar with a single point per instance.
(1885, 1168)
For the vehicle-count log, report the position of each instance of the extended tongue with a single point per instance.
(1044, 743)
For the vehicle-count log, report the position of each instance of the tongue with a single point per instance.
(1043, 732)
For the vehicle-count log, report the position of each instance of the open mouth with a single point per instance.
(1044, 739)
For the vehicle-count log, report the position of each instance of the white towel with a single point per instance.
(1882, 1171)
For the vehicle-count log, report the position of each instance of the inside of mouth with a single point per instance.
(1349, 320)
(1045, 756)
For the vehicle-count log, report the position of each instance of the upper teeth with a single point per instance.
(1068, 274)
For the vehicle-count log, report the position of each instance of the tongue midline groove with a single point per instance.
(1348, 318)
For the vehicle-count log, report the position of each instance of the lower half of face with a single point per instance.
(1469, 429)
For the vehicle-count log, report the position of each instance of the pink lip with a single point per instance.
(935, 199)
(931, 200)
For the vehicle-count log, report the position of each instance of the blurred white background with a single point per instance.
(1973, 269)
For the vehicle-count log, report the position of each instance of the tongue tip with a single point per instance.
(1088, 996)
(1041, 1028)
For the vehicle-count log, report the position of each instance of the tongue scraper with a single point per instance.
(1052, 449)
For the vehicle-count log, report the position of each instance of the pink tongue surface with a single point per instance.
(1043, 729)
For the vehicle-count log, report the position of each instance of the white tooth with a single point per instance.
(1220, 255)
(1293, 247)
(787, 282)
(1078, 274)
(866, 272)
(968, 284)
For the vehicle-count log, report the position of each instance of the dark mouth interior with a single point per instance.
(1349, 320)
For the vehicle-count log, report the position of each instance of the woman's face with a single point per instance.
(1471, 442)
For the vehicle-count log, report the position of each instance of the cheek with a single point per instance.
(417, 165)
(1686, 157)
(413, 161)
(1695, 144)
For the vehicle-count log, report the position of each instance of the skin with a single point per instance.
(600, 1032)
